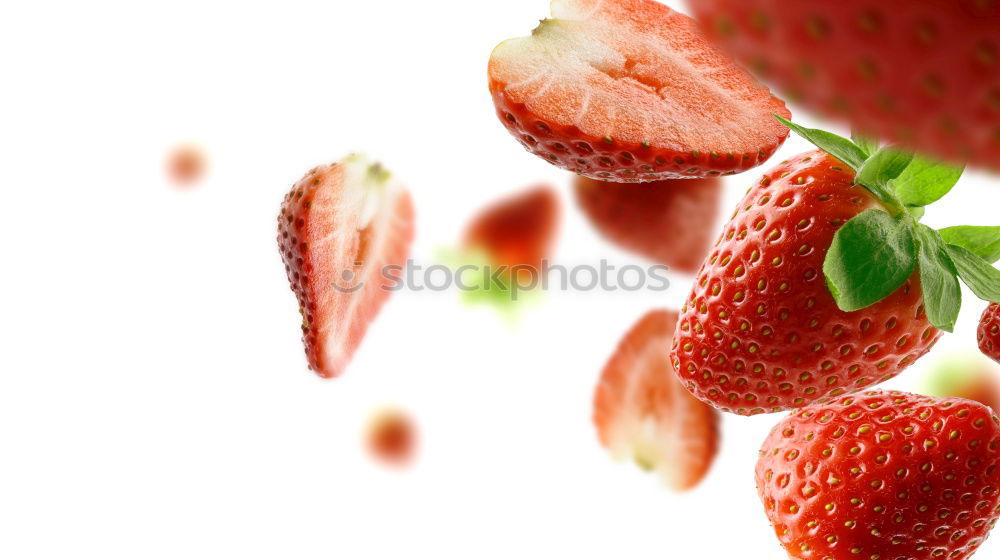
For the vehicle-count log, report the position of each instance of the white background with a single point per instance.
(154, 399)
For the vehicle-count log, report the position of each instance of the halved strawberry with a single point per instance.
(630, 90)
(642, 411)
(671, 221)
(344, 233)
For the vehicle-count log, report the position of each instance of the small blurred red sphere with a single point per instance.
(392, 438)
(186, 165)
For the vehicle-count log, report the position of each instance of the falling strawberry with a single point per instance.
(630, 90)
(344, 233)
(518, 230)
(989, 332)
(505, 248)
(971, 377)
(924, 73)
(642, 412)
(669, 221)
(824, 282)
(883, 475)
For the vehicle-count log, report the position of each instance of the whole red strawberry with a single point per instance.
(630, 90)
(925, 73)
(671, 221)
(825, 282)
(761, 331)
(989, 332)
(344, 233)
(883, 475)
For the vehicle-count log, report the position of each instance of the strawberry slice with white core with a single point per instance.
(641, 410)
(630, 90)
(344, 234)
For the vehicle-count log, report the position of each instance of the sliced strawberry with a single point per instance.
(925, 73)
(671, 221)
(630, 90)
(341, 229)
(519, 230)
(642, 411)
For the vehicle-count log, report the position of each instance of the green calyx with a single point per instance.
(874, 253)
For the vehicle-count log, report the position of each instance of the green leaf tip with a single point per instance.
(837, 146)
(925, 181)
(938, 280)
(978, 275)
(983, 241)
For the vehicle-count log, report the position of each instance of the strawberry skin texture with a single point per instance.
(884, 475)
(923, 73)
(760, 331)
(641, 410)
(630, 90)
(341, 225)
(989, 332)
(670, 222)
(519, 230)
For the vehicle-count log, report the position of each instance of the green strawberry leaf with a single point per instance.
(938, 280)
(983, 241)
(871, 256)
(868, 144)
(916, 211)
(884, 166)
(925, 181)
(978, 275)
(837, 146)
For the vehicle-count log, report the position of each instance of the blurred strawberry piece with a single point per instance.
(186, 165)
(642, 411)
(671, 222)
(924, 73)
(392, 438)
(966, 376)
(519, 230)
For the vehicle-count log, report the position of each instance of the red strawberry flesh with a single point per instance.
(642, 412)
(630, 90)
(340, 227)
